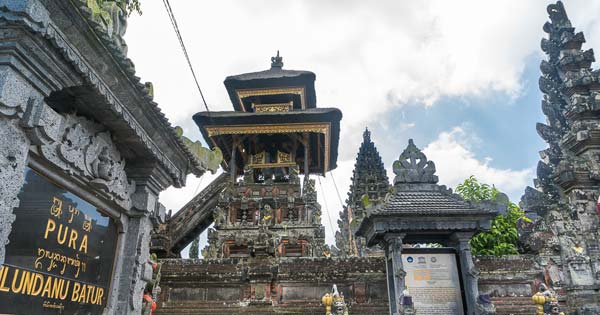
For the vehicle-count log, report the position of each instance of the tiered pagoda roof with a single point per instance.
(268, 104)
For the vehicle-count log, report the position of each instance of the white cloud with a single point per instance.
(455, 161)
(369, 56)
(375, 54)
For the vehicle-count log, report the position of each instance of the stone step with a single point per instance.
(514, 305)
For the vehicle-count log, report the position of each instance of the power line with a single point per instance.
(198, 187)
(336, 189)
(326, 207)
(185, 53)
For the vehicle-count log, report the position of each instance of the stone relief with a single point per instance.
(86, 149)
(111, 16)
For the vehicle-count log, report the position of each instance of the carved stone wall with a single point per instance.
(271, 286)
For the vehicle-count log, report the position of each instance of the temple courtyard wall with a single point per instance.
(296, 285)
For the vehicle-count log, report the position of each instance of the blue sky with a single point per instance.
(460, 77)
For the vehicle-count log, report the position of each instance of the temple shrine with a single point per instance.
(275, 135)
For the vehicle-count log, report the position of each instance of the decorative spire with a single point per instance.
(369, 178)
(367, 135)
(567, 82)
(413, 167)
(277, 62)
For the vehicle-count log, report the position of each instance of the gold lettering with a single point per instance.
(87, 224)
(64, 235)
(50, 227)
(3, 273)
(57, 287)
(63, 294)
(14, 282)
(27, 278)
(73, 238)
(56, 209)
(100, 296)
(38, 279)
(47, 287)
(74, 211)
(90, 295)
(83, 247)
(75, 294)
(82, 293)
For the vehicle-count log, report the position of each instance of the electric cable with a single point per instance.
(185, 53)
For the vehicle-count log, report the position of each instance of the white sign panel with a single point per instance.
(433, 282)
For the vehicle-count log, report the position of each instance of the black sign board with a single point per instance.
(60, 256)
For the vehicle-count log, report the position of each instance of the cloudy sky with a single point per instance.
(459, 77)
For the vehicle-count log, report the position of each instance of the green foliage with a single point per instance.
(134, 6)
(195, 248)
(472, 190)
(365, 201)
(503, 236)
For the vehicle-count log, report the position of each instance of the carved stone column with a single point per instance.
(469, 273)
(136, 251)
(14, 147)
(394, 270)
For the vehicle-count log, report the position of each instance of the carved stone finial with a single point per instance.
(413, 167)
(558, 16)
(277, 61)
(367, 135)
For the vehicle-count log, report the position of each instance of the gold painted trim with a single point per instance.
(323, 128)
(272, 165)
(267, 108)
(271, 91)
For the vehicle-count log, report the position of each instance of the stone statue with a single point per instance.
(334, 303)
(102, 167)
(267, 214)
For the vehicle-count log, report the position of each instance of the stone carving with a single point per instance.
(413, 167)
(209, 159)
(86, 150)
(565, 202)
(277, 61)
(111, 16)
(14, 147)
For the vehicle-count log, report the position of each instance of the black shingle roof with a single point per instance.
(427, 200)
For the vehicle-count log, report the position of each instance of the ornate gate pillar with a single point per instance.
(14, 146)
(469, 274)
(394, 270)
